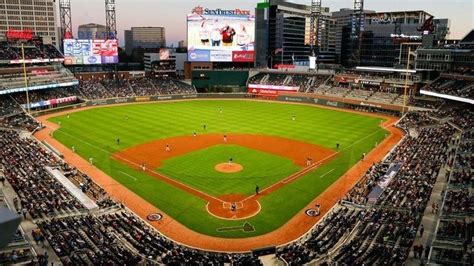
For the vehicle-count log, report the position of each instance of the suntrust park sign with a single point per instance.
(199, 10)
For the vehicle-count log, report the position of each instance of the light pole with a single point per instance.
(25, 78)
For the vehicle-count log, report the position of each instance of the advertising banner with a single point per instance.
(220, 33)
(310, 100)
(90, 52)
(242, 56)
(199, 56)
(264, 92)
(52, 102)
(221, 56)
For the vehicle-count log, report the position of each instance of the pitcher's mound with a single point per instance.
(228, 168)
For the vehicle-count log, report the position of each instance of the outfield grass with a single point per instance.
(197, 169)
(94, 132)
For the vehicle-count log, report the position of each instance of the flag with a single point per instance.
(278, 50)
(293, 57)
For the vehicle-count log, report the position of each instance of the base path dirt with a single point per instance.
(152, 154)
(233, 207)
(290, 231)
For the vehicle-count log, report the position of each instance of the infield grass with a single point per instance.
(197, 169)
(94, 132)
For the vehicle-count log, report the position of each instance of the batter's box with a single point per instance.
(228, 205)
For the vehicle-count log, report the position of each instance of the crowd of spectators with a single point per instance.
(458, 202)
(8, 106)
(93, 89)
(18, 250)
(335, 226)
(43, 95)
(19, 121)
(454, 233)
(117, 237)
(6, 53)
(39, 193)
(454, 85)
(425, 102)
(305, 82)
(368, 93)
(101, 89)
(171, 86)
(355, 231)
(143, 87)
(122, 238)
(118, 87)
(33, 50)
(461, 115)
(36, 76)
(416, 119)
(385, 229)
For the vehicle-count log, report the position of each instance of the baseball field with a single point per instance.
(202, 162)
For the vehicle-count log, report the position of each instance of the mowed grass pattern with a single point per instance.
(94, 132)
(197, 170)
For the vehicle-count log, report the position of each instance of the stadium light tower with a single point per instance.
(65, 17)
(110, 19)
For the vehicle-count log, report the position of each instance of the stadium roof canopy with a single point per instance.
(385, 69)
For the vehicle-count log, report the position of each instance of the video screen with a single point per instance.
(221, 38)
(90, 52)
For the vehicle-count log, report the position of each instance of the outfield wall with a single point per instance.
(307, 98)
(215, 80)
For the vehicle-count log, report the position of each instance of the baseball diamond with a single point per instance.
(272, 148)
(255, 133)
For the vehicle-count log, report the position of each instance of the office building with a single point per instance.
(35, 15)
(92, 31)
(343, 25)
(327, 38)
(282, 34)
(449, 57)
(386, 38)
(145, 38)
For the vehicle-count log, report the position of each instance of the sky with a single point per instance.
(171, 14)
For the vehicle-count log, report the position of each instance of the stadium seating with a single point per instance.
(13, 78)
(116, 237)
(385, 229)
(453, 84)
(19, 250)
(360, 229)
(306, 82)
(454, 232)
(101, 89)
(33, 50)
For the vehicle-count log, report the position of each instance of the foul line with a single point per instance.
(134, 178)
(137, 164)
(319, 162)
(284, 181)
(327, 173)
